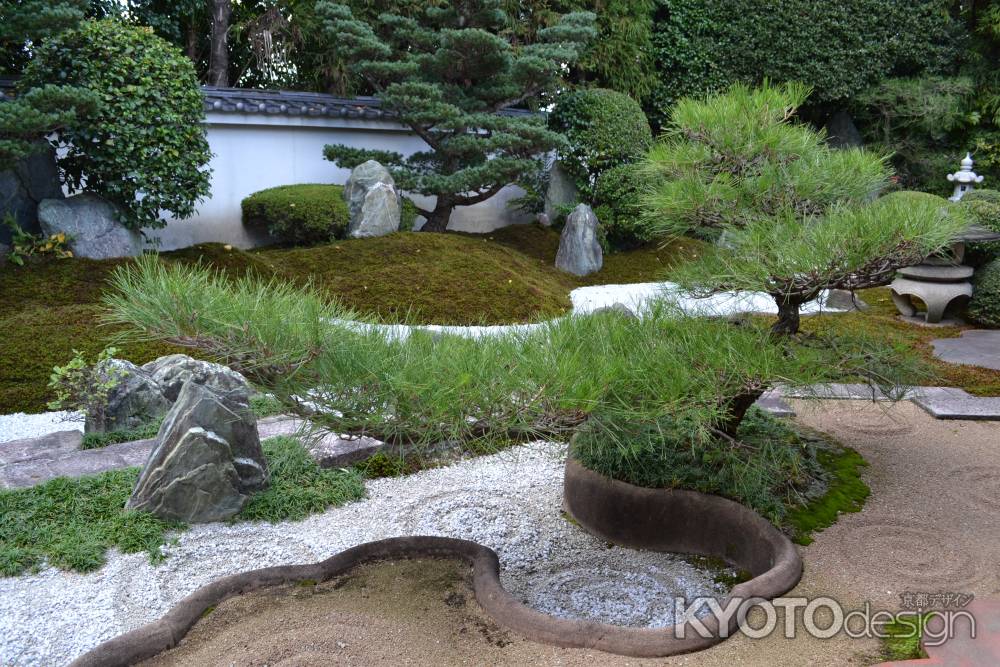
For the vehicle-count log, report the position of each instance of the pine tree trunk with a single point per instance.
(438, 221)
(737, 410)
(218, 64)
(788, 316)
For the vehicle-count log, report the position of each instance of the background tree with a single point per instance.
(791, 216)
(143, 147)
(218, 67)
(448, 75)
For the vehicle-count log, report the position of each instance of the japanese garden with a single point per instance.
(499, 332)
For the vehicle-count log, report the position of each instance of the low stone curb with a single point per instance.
(32, 461)
(695, 523)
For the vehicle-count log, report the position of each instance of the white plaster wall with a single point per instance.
(252, 152)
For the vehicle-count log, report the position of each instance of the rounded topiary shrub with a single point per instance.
(985, 305)
(604, 129)
(618, 196)
(143, 146)
(298, 214)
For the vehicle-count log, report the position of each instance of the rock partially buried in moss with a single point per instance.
(208, 460)
(373, 201)
(91, 225)
(579, 250)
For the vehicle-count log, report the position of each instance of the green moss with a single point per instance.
(97, 440)
(264, 405)
(846, 492)
(903, 635)
(381, 464)
(298, 214)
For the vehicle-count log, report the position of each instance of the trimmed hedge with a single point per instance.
(985, 305)
(298, 214)
(604, 129)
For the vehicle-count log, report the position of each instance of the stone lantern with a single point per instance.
(964, 178)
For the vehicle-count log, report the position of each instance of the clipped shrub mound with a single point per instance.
(985, 305)
(604, 129)
(298, 214)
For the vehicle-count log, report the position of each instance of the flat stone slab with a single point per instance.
(773, 403)
(951, 403)
(936, 274)
(32, 461)
(975, 347)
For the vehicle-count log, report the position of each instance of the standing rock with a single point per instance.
(841, 132)
(92, 225)
(172, 371)
(372, 200)
(134, 400)
(579, 251)
(207, 462)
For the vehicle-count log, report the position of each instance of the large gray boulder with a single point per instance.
(372, 200)
(32, 179)
(562, 191)
(92, 225)
(135, 398)
(207, 463)
(172, 371)
(579, 251)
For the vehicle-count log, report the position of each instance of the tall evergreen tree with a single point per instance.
(449, 76)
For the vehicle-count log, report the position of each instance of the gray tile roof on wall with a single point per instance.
(283, 103)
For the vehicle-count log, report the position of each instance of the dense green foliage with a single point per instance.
(838, 48)
(25, 24)
(143, 148)
(425, 389)
(71, 523)
(50, 307)
(985, 305)
(794, 216)
(446, 73)
(618, 196)
(603, 129)
(298, 214)
(37, 113)
(983, 207)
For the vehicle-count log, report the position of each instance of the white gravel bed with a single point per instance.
(510, 501)
(20, 425)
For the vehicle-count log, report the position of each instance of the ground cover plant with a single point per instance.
(71, 523)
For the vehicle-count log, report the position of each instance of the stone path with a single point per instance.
(31, 461)
(975, 347)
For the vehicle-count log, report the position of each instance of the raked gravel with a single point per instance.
(510, 502)
(19, 425)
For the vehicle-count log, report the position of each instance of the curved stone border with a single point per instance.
(655, 519)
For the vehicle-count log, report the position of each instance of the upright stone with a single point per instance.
(372, 201)
(207, 462)
(579, 251)
(32, 179)
(561, 191)
(92, 226)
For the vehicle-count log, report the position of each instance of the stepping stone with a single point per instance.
(773, 403)
(975, 347)
(952, 403)
(962, 650)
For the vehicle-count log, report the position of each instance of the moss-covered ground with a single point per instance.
(51, 307)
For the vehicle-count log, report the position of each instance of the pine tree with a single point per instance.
(451, 78)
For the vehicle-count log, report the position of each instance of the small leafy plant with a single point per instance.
(84, 387)
(25, 244)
